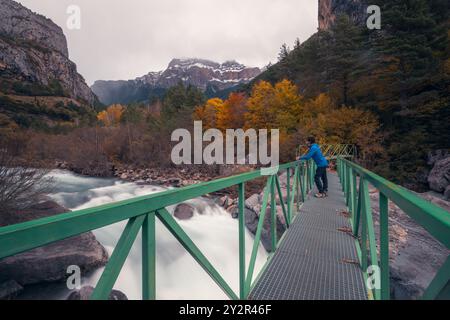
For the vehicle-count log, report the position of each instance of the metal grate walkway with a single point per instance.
(315, 260)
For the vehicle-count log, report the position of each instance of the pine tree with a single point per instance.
(284, 52)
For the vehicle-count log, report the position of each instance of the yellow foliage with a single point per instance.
(276, 106)
(280, 106)
(260, 106)
(112, 115)
(208, 113)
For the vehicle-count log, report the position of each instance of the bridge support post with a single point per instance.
(298, 189)
(303, 184)
(149, 258)
(364, 200)
(273, 211)
(351, 202)
(241, 191)
(384, 247)
(288, 193)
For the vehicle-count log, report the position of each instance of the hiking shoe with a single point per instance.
(319, 195)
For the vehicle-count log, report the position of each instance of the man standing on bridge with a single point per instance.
(322, 164)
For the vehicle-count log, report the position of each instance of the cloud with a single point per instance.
(124, 40)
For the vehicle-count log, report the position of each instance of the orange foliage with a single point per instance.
(280, 106)
(112, 115)
(231, 115)
(208, 113)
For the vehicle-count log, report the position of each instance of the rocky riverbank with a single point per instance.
(47, 264)
(415, 256)
(169, 177)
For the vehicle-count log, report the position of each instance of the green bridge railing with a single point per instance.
(333, 151)
(431, 217)
(141, 213)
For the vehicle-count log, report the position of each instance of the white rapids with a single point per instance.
(178, 276)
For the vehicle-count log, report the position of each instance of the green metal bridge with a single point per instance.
(329, 250)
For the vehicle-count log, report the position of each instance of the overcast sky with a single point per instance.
(125, 39)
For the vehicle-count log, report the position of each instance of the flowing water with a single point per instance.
(178, 276)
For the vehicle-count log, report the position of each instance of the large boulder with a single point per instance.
(9, 290)
(49, 263)
(85, 293)
(439, 178)
(184, 211)
(251, 222)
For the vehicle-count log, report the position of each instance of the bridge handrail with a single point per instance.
(333, 151)
(141, 212)
(431, 217)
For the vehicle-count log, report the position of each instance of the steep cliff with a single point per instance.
(329, 10)
(34, 61)
(21, 23)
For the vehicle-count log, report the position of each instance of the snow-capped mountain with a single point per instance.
(207, 75)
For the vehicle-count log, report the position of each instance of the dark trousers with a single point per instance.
(321, 179)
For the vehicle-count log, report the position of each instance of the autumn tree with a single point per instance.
(275, 107)
(260, 106)
(231, 114)
(208, 112)
(112, 115)
(286, 106)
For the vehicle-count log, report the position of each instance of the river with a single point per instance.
(178, 276)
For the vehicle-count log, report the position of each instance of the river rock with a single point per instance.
(251, 222)
(9, 290)
(252, 219)
(184, 211)
(234, 211)
(439, 178)
(85, 292)
(253, 202)
(437, 155)
(447, 193)
(225, 202)
(221, 202)
(49, 263)
(176, 182)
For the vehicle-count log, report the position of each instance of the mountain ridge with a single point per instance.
(207, 75)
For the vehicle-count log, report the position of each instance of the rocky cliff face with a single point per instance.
(33, 51)
(201, 73)
(204, 74)
(329, 10)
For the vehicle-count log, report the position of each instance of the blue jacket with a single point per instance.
(315, 153)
